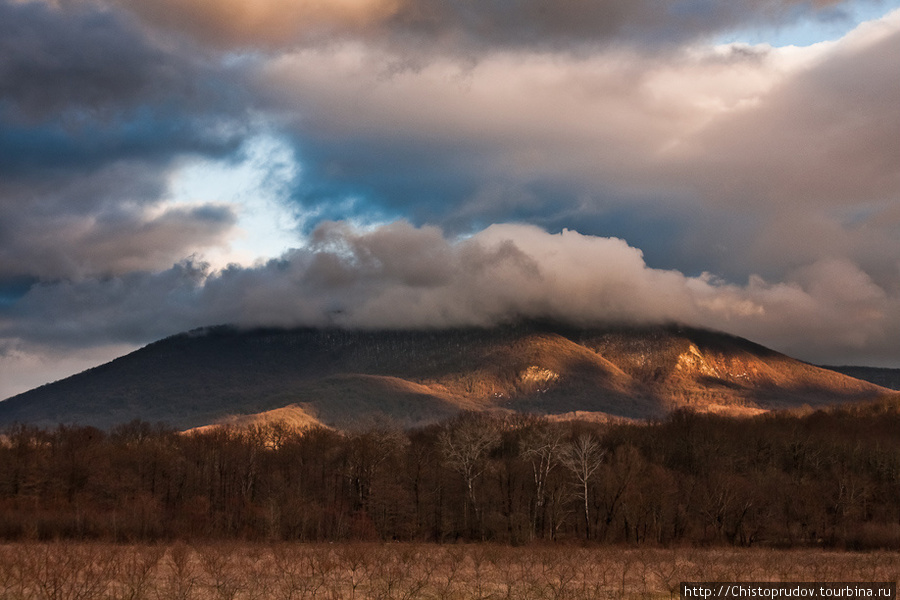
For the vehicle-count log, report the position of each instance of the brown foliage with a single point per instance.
(823, 478)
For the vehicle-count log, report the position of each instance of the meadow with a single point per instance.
(370, 571)
(478, 507)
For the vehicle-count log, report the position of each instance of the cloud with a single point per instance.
(814, 161)
(87, 63)
(401, 276)
(105, 221)
(94, 113)
(456, 142)
(736, 144)
(678, 153)
(113, 242)
(83, 87)
(464, 26)
(774, 169)
(823, 137)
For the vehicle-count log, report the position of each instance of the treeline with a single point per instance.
(824, 478)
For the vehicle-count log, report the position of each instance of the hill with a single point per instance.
(343, 378)
(887, 378)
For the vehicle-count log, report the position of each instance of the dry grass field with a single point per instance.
(244, 571)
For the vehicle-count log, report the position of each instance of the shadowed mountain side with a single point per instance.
(357, 400)
(888, 378)
(341, 378)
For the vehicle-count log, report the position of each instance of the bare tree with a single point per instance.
(465, 446)
(367, 453)
(583, 458)
(542, 446)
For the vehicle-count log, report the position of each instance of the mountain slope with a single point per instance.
(888, 378)
(340, 377)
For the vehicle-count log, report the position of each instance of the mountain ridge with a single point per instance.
(339, 377)
(883, 376)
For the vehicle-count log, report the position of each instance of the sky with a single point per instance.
(173, 164)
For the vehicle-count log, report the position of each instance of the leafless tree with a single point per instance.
(367, 453)
(465, 446)
(542, 446)
(583, 458)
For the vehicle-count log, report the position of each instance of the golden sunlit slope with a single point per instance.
(344, 378)
(711, 371)
(292, 417)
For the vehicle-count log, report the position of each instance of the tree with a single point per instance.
(542, 446)
(583, 458)
(465, 446)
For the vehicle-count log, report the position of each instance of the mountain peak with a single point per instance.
(339, 377)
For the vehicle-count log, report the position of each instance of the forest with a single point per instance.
(828, 478)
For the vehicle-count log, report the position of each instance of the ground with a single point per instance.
(363, 571)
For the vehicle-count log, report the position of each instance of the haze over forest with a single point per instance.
(173, 164)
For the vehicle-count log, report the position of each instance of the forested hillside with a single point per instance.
(822, 478)
(886, 378)
(345, 378)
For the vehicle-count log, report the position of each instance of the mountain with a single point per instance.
(887, 378)
(340, 377)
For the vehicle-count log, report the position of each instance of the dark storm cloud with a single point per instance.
(113, 241)
(573, 23)
(83, 63)
(150, 134)
(82, 86)
(94, 112)
(449, 25)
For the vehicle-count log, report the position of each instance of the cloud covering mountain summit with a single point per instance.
(401, 276)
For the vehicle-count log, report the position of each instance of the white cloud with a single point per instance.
(742, 142)
(400, 276)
